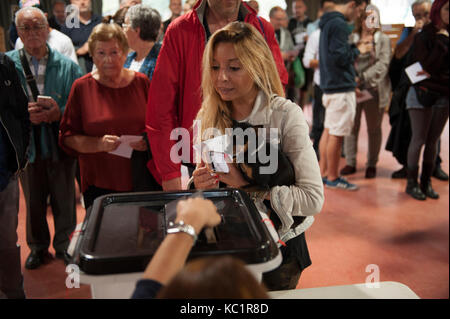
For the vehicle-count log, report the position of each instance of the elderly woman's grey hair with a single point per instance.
(145, 18)
(30, 10)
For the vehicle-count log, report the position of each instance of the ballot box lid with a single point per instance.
(121, 232)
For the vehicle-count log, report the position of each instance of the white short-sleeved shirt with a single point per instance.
(136, 65)
(312, 53)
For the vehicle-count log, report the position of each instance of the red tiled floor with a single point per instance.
(379, 224)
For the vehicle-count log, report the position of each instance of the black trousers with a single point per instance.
(318, 118)
(45, 178)
(295, 260)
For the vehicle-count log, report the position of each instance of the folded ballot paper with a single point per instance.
(215, 151)
(124, 149)
(412, 71)
(364, 96)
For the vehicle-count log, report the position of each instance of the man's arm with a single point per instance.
(340, 51)
(162, 110)
(311, 51)
(171, 255)
(22, 109)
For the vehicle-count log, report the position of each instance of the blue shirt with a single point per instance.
(148, 67)
(146, 289)
(404, 35)
(79, 36)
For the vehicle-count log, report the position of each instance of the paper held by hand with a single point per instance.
(412, 71)
(363, 96)
(124, 149)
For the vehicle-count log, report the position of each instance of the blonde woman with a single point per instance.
(240, 82)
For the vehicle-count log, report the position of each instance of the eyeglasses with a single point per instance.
(38, 27)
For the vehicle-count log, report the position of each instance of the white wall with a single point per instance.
(266, 5)
(395, 11)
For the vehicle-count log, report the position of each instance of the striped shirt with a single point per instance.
(37, 68)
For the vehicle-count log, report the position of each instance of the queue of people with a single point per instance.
(221, 64)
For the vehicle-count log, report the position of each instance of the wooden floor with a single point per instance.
(377, 227)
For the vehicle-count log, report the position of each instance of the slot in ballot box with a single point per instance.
(122, 232)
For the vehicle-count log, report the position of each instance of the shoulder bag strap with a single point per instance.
(28, 75)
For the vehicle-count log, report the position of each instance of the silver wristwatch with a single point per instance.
(182, 227)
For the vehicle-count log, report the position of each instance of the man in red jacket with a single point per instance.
(175, 92)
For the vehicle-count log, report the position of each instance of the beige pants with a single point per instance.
(374, 117)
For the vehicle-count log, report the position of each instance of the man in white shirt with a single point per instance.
(311, 61)
(57, 41)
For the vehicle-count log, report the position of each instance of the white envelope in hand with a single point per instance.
(412, 71)
(364, 96)
(124, 149)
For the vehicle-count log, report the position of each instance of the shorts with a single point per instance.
(412, 102)
(340, 111)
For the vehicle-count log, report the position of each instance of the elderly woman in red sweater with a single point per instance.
(103, 106)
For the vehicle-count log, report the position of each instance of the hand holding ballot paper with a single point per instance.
(127, 144)
(216, 165)
(416, 73)
(213, 153)
(363, 96)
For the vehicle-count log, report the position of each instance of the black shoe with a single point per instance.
(371, 172)
(37, 258)
(413, 189)
(429, 191)
(401, 173)
(440, 174)
(347, 170)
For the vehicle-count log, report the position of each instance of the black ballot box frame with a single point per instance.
(121, 232)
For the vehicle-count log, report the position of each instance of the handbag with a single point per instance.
(251, 170)
(426, 96)
(299, 72)
(142, 179)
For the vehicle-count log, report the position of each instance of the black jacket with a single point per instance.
(432, 51)
(336, 55)
(14, 117)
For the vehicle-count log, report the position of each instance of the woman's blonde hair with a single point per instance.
(105, 32)
(256, 58)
